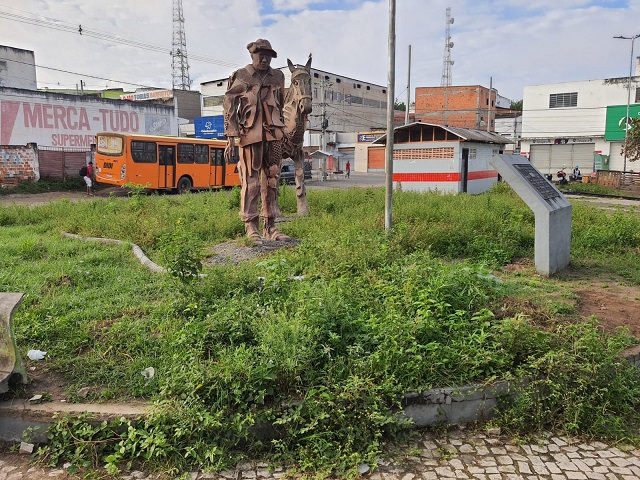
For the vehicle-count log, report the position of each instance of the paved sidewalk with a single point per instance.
(458, 455)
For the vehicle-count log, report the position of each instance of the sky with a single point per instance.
(508, 43)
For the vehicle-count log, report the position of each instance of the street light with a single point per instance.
(626, 120)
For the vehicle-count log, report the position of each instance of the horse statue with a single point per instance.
(297, 107)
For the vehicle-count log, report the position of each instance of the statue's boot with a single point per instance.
(270, 232)
(252, 230)
(303, 207)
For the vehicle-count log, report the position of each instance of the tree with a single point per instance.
(631, 146)
(400, 106)
(516, 105)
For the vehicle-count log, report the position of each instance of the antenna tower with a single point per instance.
(179, 62)
(446, 57)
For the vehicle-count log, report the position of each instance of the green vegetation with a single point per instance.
(592, 189)
(69, 185)
(301, 358)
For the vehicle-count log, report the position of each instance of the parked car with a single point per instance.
(288, 172)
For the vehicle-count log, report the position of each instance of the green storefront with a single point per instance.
(614, 126)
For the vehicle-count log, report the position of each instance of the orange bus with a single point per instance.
(163, 163)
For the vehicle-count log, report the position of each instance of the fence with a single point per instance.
(626, 182)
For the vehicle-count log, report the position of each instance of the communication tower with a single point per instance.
(179, 62)
(446, 58)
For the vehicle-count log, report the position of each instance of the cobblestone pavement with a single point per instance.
(457, 455)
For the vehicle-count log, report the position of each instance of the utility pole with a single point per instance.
(323, 125)
(626, 120)
(406, 113)
(391, 80)
(489, 106)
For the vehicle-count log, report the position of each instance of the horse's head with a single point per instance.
(301, 85)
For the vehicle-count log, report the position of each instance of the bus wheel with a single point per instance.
(184, 185)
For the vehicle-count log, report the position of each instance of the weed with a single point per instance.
(314, 346)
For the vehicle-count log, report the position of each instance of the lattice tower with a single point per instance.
(446, 57)
(179, 62)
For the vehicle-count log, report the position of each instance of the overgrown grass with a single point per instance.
(313, 346)
(43, 186)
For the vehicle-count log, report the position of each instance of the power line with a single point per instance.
(81, 74)
(63, 26)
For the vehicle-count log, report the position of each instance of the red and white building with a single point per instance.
(446, 159)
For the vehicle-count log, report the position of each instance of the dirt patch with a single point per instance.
(42, 380)
(610, 301)
(613, 304)
(234, 252)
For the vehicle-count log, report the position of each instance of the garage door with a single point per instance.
(540, 157)
(551, 158)
(376, 158)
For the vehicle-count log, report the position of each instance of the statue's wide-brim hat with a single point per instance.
(262, 45)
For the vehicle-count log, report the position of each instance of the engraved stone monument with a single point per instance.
(552, 211)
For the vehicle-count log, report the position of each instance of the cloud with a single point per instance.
(515, 43)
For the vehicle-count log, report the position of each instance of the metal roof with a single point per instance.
(320, 153)
(464, 133)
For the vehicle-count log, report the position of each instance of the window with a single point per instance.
(637, 95)
(143, 152)
(217, 157)
(202, 154)
(473, 153)
(185, 153)
(560, 100)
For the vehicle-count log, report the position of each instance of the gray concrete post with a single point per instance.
(552, 211)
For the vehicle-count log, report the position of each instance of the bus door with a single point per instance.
(167, 167)
(217, 167)
(231, 173)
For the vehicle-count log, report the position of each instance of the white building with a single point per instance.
(17, 68)
(350, 105)
(578, 123)
(441, 158)
(509, 125)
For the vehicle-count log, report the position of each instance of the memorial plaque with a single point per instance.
(552, 211)
(541, 184)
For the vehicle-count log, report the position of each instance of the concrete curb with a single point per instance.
(137, 251)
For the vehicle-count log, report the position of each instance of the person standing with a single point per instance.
(348, 168)
(88, 178)
(253, 113)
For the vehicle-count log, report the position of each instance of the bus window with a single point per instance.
(109, 145)
(185, 153)
(143, 152)
(201, 154)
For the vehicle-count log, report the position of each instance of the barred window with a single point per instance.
(637, 95)
(143, 152)
(559, 100)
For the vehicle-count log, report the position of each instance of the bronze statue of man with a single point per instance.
(253, 113)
